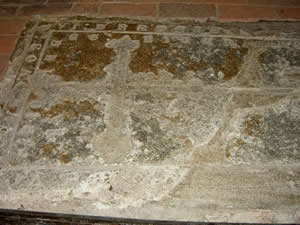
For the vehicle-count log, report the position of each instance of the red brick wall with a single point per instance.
(223, 10)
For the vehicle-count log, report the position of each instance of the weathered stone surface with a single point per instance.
(176, 120)
(280, 64)
(166, 124)
(77, 57)
(58, 124)
(263, 128)
(186, 60)
(198, 193)
(109, 187)
(7, 129)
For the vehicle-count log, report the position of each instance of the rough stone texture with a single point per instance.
(155, 120)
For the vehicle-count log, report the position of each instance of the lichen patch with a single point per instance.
(279, 66)
(83, 59)
(60, 131)
(266, 135)
(210, 59)
(68, 108)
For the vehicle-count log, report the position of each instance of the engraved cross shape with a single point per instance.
(123, 47)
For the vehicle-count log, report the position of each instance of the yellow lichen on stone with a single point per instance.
(68, 108)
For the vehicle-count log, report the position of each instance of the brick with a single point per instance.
(288, 13)
(7, 11)
(9, 2)
(186, 1)
(187, 10)
(85, 8)
(89, 1)
(4, 59)
(127, 9)
(245, 13)
(11, 26)
(61, 1)
(50, 9)
(275, 2)
(7, 44)
(228, 1)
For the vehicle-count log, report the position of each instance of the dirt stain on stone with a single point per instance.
(151, 57)
(32, 97)
(186, 142)
(65, 158)
(131, 27)
(79, 60)
(231, 68)
(156, 146)
(272, 136)
(86, 25)
(12, 109)
(253, 126)
(68, 108)
(274, 60)
(237, 143)
(141, 59)
(178, 58)
(48, 149)
(112, 26)
(3, 129)
(174, 119)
